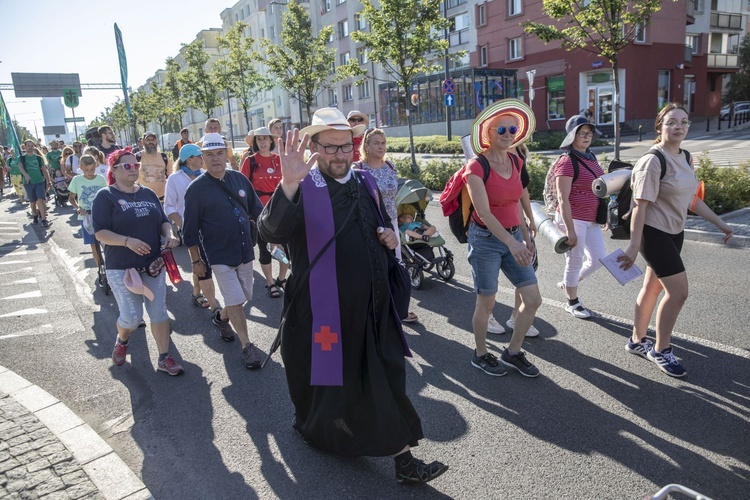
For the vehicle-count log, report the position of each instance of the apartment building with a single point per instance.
(681, 55)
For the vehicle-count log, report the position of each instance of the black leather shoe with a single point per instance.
(416, 471)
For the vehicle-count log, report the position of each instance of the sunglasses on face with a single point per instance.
(129, 166)
(513, 130)
(356, 119)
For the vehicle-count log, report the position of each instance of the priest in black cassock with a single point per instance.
(341, 340)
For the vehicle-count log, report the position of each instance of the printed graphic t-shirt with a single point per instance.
(86, 190)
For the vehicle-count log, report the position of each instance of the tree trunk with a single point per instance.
(247, 119)
(414, 166)
(616, 104)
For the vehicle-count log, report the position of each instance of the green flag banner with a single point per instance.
(10, 131)
(123, 68)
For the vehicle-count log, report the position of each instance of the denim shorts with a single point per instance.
(131, 304)
(488, 255)
(88, 238)
(36, 191)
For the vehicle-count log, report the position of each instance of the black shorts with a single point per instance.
(662, 251)
(264, 256)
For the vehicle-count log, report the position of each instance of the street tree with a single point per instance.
(402, 40)
(199, 87)
(144, 110)
(303, 64)
(173, 91)
(739, 83)
(235, 72)
(601, 27)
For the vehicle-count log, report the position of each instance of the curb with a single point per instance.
(716, 238)
(112, 477)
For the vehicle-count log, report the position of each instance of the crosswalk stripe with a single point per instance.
(9, 262)
(24, 312)
(17, 270)
(26, 281)
(26, 295)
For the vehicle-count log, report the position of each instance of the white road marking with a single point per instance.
(24, 312)
(27, 281)
(26, 295)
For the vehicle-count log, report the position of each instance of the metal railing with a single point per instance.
(722, 61)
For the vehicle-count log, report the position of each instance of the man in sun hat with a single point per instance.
(220, 209)
(498, 237)
(356, 117)
(343, 347)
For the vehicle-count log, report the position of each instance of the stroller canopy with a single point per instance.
(415, 194)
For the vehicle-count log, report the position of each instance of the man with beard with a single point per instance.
(108, 140)
(342, 343)
(155, 166)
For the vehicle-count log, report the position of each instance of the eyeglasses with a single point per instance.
(129, 166)
(513, 130)
(357, 119)
(675, 123)
(585, 135)
(332, 149)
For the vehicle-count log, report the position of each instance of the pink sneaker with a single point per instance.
(170, 366)
(119, 353)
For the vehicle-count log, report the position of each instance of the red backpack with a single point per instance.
(456, 202)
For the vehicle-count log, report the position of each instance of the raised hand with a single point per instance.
(294, 168)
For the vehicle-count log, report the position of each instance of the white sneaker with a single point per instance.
(494, 327)
(561, 285)
(511, 324)
(578, 311)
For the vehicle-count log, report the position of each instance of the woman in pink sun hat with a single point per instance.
(499, 239)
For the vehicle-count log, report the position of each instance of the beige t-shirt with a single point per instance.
(671, 196)
(153, 174)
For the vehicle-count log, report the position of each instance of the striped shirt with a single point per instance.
(583, 201)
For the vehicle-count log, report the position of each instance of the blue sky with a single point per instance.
(73, 36)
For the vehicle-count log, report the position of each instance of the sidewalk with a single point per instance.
(47, 451)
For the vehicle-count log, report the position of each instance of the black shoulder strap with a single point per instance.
(574, 161)
(687, 156)
(138, 156)
(165, 159)
(485, 166)
(23, 160)
(662, 160)
(222, 185)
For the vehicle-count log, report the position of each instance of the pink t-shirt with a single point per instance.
(583, 201)
(502, 194)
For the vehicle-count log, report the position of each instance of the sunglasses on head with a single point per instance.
(513, 130)
(129, 166)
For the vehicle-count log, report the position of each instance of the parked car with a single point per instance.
(739, 107)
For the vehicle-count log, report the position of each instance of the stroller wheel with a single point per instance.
(427, 266)
(416, 275)
(446, 269)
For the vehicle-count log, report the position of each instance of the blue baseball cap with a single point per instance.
(188, 151)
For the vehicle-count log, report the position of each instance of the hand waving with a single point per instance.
(294, 168)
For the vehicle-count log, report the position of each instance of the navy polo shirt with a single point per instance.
(218, 221)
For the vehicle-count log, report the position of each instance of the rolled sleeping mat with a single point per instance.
(548, 228)
(466, 146)
(610, 183)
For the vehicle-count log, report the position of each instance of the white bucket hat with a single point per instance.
(213, 141)
(330, 119)
(260, 131)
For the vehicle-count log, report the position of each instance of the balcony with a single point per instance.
(688, 54)
(690, 13)
(459, 37)
(726, 21)
(728, 61)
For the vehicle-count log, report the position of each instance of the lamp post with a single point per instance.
(447, 72)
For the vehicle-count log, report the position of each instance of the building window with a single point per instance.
(343, 28)
(515, 51)
(326, 6)
(514, 7)
(458, 31)
(333, 67)
(556, 97)
(698, 5)
(364, 90)
(483, 56)
(640, 32)
(333, 97)
(362, 55)
(339, 2)
(455, 3)
(273, 32)
(662, 91)
(693, 41)
(343, 58)
(481, 15)
(360, 21)
(348, 96)
(330, 37)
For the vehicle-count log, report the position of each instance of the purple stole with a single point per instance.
(326, 367)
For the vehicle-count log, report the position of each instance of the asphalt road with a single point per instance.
(598, 423)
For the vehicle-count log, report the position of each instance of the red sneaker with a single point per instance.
(170, 366)
(119, 353)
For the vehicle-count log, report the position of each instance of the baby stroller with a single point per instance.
(419, 255)
(60, 187)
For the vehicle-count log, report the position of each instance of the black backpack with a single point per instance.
(618, 213)
(164, 157)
